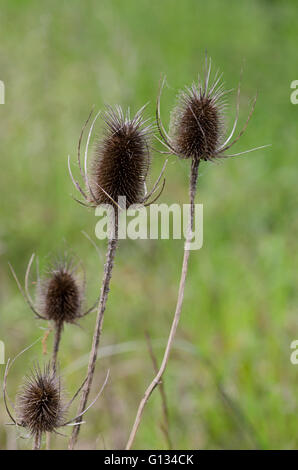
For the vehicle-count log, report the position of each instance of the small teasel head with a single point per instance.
(121, 159)
(197, 129)
(61, 292)
(39, 404)
(196, 124)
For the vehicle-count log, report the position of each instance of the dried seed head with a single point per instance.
(39, 403)
(122, 158)
(197, 121)
(61, 293)
(196, 124)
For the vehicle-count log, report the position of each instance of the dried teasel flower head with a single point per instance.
(61, 292)
(121, 160)
(197, 121)
(196, 124)
(40, 405)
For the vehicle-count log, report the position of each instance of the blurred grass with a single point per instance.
(240, 311)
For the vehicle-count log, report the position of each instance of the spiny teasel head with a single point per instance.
(61, 293)
(40, 405)
(121, 159)
(197, 122)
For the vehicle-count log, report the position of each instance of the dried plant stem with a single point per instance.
(108, 267)
(36, 442)
(157, 379)
(48, 441)
(57, 338)
(165, 425)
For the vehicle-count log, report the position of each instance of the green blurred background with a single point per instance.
(230, 382)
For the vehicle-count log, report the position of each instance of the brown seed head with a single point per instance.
(39, 403)
(122, 158)
(61, 294)
(196, 124)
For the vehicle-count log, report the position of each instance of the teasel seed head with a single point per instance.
(197, 129)
(120, 164)
(40, 405)
(196, 125)
(61, 293)
(122, 158)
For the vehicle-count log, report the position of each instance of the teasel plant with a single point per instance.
(115, 178)
(59, 295)
(197, 133)
(41, 407)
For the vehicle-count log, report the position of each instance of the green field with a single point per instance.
(230, 382)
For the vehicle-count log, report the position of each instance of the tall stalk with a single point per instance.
(120, 166)
(36, 442)
(57, 338)
(158, 377)
(105, 287)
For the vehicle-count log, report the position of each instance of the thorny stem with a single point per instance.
(48, 441)
(36, 442)
(57, 338)
(105, 287)
(157, 379)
